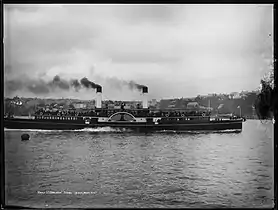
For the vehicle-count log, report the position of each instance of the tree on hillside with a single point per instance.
(266, 101)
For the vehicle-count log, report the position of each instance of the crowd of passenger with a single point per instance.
(179, 114)
(109, 112)
(70, 113)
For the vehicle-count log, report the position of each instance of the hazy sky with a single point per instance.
(175, 50)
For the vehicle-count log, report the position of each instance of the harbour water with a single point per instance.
(112, 168)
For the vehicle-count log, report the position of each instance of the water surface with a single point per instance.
(110, 168)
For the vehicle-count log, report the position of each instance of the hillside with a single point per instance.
(220, 103)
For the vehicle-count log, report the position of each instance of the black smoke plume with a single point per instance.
(39, 86)
(133, 85)
(88, 84)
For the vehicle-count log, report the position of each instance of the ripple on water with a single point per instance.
(125, 169)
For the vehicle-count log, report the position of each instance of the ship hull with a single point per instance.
(43, 125)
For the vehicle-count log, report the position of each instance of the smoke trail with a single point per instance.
(57, 82)
(38, 87)
(89, 84)
(134, 85)
(116, 83)
(13, 85)
(75, 84)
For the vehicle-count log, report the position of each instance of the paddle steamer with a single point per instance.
(140, 119)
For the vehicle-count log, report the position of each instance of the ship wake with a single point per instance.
(88, 130)
(202, 132)
(124, 130)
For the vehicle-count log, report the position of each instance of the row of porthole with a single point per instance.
(57, 118)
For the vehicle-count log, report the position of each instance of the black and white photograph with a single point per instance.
(139, 105)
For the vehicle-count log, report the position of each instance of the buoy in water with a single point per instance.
(25, 137)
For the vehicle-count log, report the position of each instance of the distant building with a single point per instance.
(202, 96)
(153, 102)
(171, 106)
(236, 96)
(191, 105)
(90, 106)
(243, 94)
(110, 106)
(79, 105)
(47, 108)
(212, 94)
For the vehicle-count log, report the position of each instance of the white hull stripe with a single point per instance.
(131, 124)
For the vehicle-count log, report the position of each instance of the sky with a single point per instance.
(175, 50)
